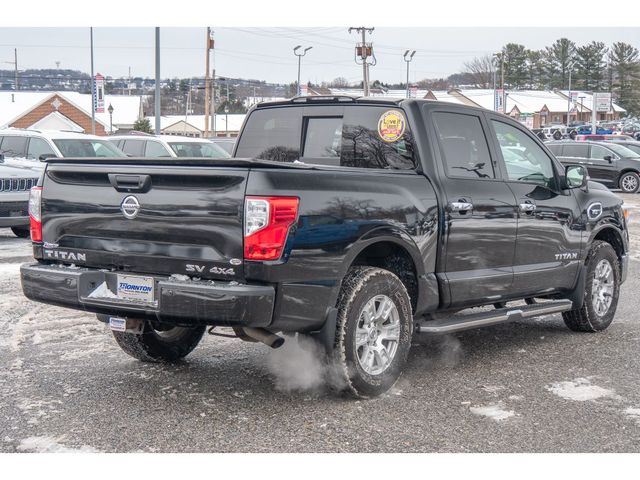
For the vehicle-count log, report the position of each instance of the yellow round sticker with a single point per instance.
(391, 125)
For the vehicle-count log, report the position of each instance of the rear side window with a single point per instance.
(358, 136)
(463, 145)
(156, 149)
(14, 146)
(37, 147)
(577, 150)
(134, 148)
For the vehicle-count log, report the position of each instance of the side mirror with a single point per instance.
(576, 176)
(44, 156)
(608, 158)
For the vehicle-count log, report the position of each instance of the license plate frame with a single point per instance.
(136, 288)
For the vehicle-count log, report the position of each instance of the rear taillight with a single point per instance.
(266, 225)
(35, 214)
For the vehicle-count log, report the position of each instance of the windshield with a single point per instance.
(623, 151)
(84, 147)
(198, 149)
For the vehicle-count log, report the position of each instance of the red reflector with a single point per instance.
(267, 243)
(35, 228)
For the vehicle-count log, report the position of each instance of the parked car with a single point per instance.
(169, 146)
(580, 138)
(15, 183)
(445, 207)
(38, 145)
(226, 144)
(609, 163)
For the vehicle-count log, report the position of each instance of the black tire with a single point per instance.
(361, 286)
(160, 346)
(557, 135)
(587, 318)
(21, 232)
(629, 182)
(573, 134)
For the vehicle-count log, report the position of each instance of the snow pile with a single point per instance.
(580, 390)
(302, 365)
(493, 411)
(179, 278)
(633, 413)
(102, 291)
(50, 445)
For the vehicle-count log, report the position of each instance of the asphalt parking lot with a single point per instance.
(525, 387)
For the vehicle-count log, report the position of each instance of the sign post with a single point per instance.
(498, 100)
(601, 103)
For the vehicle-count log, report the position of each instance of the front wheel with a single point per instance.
(21, 232)
(374, 330)
(602, 288)
(629, 182)
(160, 345)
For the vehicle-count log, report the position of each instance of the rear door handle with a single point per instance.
(460, 207)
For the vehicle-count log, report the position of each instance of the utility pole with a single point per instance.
(93, 88)
(364, 50)
(407, 58)
(158, 129)
(15, 66)
(569, 99)
(213, 102)
(504, 98)
(495, 72)
(207, 85)
(300, 55)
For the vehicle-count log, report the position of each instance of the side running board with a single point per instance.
(460, 322)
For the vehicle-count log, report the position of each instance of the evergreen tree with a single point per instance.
(143, 125)
(625, 69)
(590, 66)
(559, 58)
(515, 66)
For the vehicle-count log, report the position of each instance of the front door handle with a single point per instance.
(460, 207)
(527, 208)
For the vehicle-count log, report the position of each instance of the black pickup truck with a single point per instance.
(359, 222)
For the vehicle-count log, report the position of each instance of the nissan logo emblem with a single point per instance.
(130, 207)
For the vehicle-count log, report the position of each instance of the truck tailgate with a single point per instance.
(188, 219)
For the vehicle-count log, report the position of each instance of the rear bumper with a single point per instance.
(176, 302)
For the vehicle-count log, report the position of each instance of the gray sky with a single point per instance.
(266, 53)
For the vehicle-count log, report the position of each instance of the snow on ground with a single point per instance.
(50, 445)
(494, 411)
(580, 390)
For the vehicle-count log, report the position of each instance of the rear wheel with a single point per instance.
(602, 288)
(22, 232)
(629, 182)
(160, 345)
(374, 330)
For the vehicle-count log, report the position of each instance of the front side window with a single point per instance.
(598, 152)
(463, 145)
(323, 137)
(87, 148)
(134, 148)
(14, 146)
(524, 159)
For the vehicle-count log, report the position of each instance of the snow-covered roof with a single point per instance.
(197, 121)
(444, 96)
(15, 104)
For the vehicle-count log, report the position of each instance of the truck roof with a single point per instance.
(345, 99)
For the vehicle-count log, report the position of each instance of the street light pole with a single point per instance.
(110, 110)
(158, 128)
(569, 100)
(407, 58)
(495, 73)
(300, 55)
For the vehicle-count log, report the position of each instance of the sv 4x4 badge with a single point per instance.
(202, 268)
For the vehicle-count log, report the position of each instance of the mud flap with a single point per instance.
(577, 295)
(326, 336)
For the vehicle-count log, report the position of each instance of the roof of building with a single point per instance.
(15, 104)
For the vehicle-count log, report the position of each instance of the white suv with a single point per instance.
(39, 144)
(169, 146)
(21, 155)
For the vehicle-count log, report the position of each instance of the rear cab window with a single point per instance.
(360, 136)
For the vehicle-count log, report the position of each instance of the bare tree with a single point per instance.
(481, 71)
